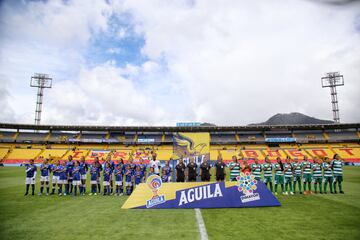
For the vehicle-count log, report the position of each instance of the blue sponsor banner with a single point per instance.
(246, 192)
(280, 139)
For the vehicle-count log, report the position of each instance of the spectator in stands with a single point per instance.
(30, 177)
(235, 169)
(220, 168)
(205, 171)
(180, 171)
(191, 170)
(337, 166)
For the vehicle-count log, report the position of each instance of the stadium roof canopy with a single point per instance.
(180, 129)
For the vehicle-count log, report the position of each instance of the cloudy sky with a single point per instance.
(158, 62)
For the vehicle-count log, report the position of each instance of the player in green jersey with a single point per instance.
(317, 174)
(235, 169)
(279, 175)
(256, 169)
(268, 175)
(307, 175)
(337, 166)
(328, 175)
(297, 167)
(288, 171)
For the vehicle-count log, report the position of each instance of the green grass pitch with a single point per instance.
(97, 217)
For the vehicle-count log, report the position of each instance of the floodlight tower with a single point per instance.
(40, 81)
(332, 80)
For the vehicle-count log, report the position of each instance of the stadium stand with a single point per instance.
(249, 142)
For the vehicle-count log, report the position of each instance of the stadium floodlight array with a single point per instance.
(40, 81)
(332, 80)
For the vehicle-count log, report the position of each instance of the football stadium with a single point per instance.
(302, 216)
(146, 119)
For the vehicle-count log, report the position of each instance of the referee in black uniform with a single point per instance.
(220, 168)
(205, 171)
(180, 171)
(192, 171)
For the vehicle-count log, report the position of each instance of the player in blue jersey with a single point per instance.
(30, 177)
(138, 175)
(119, 179)
(69, 169)
(106, 178)
(143, 169)
(164, 176)
(112, 167)
(93, 177)
(63, 178)
(167, 170)
(128, 179)
(151, 172)
(99, 170)
(44, 178)
(56, 177)
(83, 170)
(77, 178)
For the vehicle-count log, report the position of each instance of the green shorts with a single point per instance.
(338, 178)
(297, 178)
(288, 179)
(317, 179)
(267, 179)
(307, 177)
(279, 179)
(328, 179)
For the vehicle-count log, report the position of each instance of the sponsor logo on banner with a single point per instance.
(154, 183)
(200, 193)
(247, 185)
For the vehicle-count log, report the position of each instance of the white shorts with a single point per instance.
(76, 182)
(83, 177)
(93, 182)
(128, 184)
(55, 179)
(30, 180)
(118, 183)
(44, 178)
(106, 183)
(63, 181)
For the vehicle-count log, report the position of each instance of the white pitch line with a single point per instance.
(201, 225)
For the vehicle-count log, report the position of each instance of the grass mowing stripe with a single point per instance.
(201, 224)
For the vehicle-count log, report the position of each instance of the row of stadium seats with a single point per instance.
(17, 153)
(156, 138)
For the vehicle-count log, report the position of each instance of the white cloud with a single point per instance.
(227, 62)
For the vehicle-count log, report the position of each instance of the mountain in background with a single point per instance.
(292, 119)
